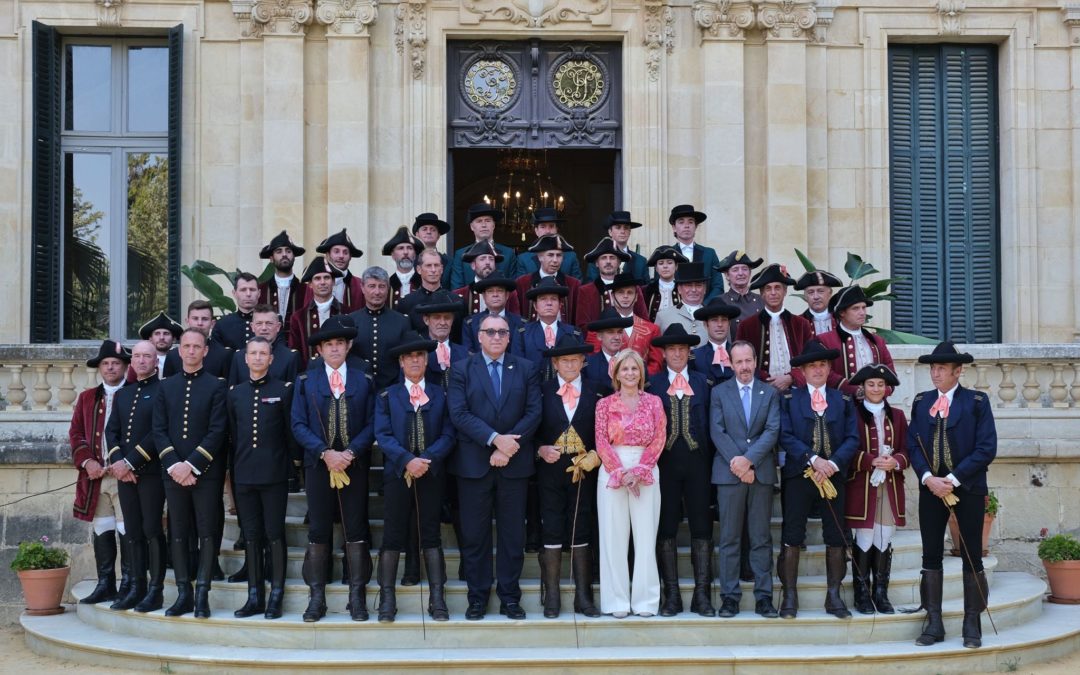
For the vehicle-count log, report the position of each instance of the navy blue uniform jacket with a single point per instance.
(971, 431)
(311, 404)
(392, 413)
(797, 421)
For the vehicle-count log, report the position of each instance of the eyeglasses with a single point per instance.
(495, 332)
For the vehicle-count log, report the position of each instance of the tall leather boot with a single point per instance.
(436, 573)
(583, 578)
(315, 574)
(388, 563)
(207, 558)
(930, 593)
(701, 558)
(277, 558)
(787, 568)
(358, 555)
(132, 557)
(185, 599)
(835, 571)
(667, 558)
(411, 575)
(256, 599)
(155, 563)
(861, 562)
(550, 571)
(241, 575)
(105, 562)
(976, 593)
(881, 564)
(126, 578)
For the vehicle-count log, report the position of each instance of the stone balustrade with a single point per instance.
(44, 377)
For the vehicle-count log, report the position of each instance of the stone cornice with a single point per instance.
(950, 11)
(274, 17)
(778, 19)
(1070, 14)
(659, 22)
(347, 17)
(410, 28)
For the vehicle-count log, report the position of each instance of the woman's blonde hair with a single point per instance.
(616, 363)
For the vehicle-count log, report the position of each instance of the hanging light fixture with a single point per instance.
(521, 186)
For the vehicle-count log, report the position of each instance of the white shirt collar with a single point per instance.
(554, 324)
(690, 309)
(575, 383)
(672, 373)
(949, 394)
(873, 407)
(342, 370)
(283, 282)
(405, 277)
(324, 305)
(408, 385)
(811, 388)
(543, 274)
(851, 331)
(772, 314)
(819, 315)
(666, 285)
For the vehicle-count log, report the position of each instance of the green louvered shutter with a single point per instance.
(176, 78)
(45, 186)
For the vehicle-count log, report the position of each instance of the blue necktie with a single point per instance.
(496, 379)
(746, 404)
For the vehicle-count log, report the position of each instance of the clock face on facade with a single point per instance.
(490, 84)
(578, 83)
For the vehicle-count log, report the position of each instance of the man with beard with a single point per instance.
(817, 288)
(402, 249)
(319, 278)
(283, 291)
(340, 252)
(429, 229)
(200, 316)
(484, 261)
(620, 226)
(546, 223)
(661, 293)
(549, 252)
(778, 335)
(482, 221)
(595, 297)
(162, 332)
(378, 328)
(234, 330)
(737, 267)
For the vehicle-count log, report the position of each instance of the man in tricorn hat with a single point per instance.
(283, 291)
(737, 267)
(428, 228)
(692, 283)
(549, 252)
(619, 227)
(951, 442)
(546, 223)
(817, 288)
(162, 332)
(777, 334)
(319, 278)
(482, 221)
(684, 220)
(403, 249)
(660, 292)
(595, 297)
(858, 347)
(340, 252)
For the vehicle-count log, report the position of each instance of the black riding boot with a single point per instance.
(976, 593)
(133, 564)
(436, 573)
(105, 562)
(315, 574)
(930, 593)
(861, 562)
(155, 563)
(835, 571)
(550, 571)
(787, 568)
(882, 567)
(411, 575)
(256, 599)
(277, 558)
(185, 600)
(207, 560)
(668, 558)
(583, 578)
(701, 558)
(358, 554)
(388, 562)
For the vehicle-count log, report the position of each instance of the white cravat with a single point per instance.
(324, 310)
(687, 250)
(666, 288)
(779, 354)
(160, 366)
(284, 285)
(822, 321)
(864, 356)
(110, 391)
(339, 289)
(406, 282)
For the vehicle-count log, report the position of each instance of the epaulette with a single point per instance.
(368, 376)
(918, 397)
(709, 381)
(384, 393)
(302, 376)
(846, 397)
(232, 386)
(521, 328)
(787, 395)
(293, 350)
(288, 384)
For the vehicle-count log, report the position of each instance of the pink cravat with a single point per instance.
(818, 402)
(941, 405)
(417, 397)
(720, 357)
(442, 352)
(337, 387)
(549, 336)
(680, 384)
(569, 395)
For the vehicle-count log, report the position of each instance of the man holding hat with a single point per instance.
(691, 282)
(951, 442)
(536, 336)
(495, 292)
(234, 330)
(620, 226)
(283, 291)
(414, 433)
(639, 335)
(482, 221)
(162, 332)
(817, 288)
(403, 249)
(484, 261)
(713, 359)
(322, 305)
(97, 497)
(546, 223)
(549, 252)
(737, 267)
(339, 251)
(819, 435)
(777, 334)
(684, 220)
(332, 412)
(428, 228)
(595, 297)
(858, 347)
(660, 292)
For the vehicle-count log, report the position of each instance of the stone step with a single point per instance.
(903, 590)
(907, 553)
(1029, 631)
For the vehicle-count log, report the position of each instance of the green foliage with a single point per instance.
(35, 555)
(856, 268)
(267, 272)
(200, 275)
(1058, 548)
(810, 267)
(993, 504)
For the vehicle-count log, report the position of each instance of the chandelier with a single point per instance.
(522, 185)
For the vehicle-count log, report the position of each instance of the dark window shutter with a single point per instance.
(45, 186)
(176, 77)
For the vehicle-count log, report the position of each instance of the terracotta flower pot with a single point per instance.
(1064, 578)
(988, 522)
(43, 590)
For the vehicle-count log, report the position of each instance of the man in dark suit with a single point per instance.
(429, 229)
(200, 316)
(684, 220)
(283, 291)
(536, 336)
(378, 328)
(495, 405)
(266, 323)
(548, 253)
(482, 221)
(496, 291)
(234, 330)
(777, 334)
(546, 223)
(713, 358)
(744, 423)
(620, 227)
(819, 436)
(429, 269)
(951, 442)
(438, 315)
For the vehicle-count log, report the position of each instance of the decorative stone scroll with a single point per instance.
(723, 19)
(280, 17)
(786, 19)
(109, 12)
(347, 17)
(659, 34)
(949, 12)
(410, 28)
(536, 13)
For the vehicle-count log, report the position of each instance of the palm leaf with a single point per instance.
(897, 337)
(879, 287)
(805, 261)
(267, 273)
(209, 288)
(856, 268)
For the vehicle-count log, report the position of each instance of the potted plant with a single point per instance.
(1060, 555)
(991, 505)
(43, 573)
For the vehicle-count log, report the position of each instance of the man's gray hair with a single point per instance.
(377, 273)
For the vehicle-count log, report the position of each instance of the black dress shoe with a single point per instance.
(765, 608)
(512, 610)
(729, 608)
(476, 611)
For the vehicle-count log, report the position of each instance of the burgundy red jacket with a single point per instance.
(843, 368)
(87, 442)
(755, 330)
(861, 499)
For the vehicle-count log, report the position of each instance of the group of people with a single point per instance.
(578, 408)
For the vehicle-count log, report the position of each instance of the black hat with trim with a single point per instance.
(666, 252)
(604, 247)
(676, 335)
(282, 239)
(320, 266)
(339, 239)
(402, 236)
(774, 273)
(109, 349)
(738, 258)
(430, 219)
(850, 295)
(162, 320)
(812, 352)
(482, 247)
(550, 242)
(946, 352)
(875, 370)
(547, 286)
(818, 278)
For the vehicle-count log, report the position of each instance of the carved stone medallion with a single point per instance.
(490, 84)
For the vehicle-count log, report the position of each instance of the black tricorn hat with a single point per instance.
(546, 214)
(162, 320)
(430, 219)
(676, 335)
(605, 246)
(402, 236)
(666, 252)
(443, 302)
(550, 242)
(609, 319)
(411, 342)
(812, 352)
(110, 349)
(483, 209)
(875, 370)
(848, 296)
(482, 247)
(494, 280)
(716, 307)
(946, 352)
(282, 239)
(689, 272)
(622, 218)
(818, 278)
(568, 345)
(686, 210)
(774, 273)
(337, 326)
(624, 279)
(547, 286)
(320, 265)
(738, 257)
(339, 239)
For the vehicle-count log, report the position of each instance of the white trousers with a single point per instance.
(619, 514)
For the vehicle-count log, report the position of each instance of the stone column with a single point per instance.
(424, 190)
(1071, 16)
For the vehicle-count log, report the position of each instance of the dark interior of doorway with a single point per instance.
(588, 180)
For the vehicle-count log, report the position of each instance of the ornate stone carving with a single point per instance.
(536, 13)
(109, 12)
(280, 17)
(1071, 16)
(410, 27)
(949, 12)
(787, 18)
(346, 17)
(659, 34)
(825, 11)
(723, 19)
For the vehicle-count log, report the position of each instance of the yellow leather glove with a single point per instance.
(951, 499)
(408, 480)
(339, 479)
(825, 488)
(582, 463)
